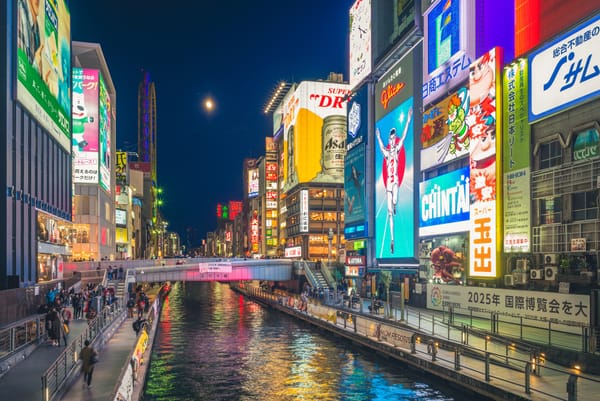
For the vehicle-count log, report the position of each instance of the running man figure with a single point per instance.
(391, 171)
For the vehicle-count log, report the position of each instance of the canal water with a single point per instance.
(213, 344)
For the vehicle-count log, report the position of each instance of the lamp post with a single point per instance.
(330, 238)
(163, 230)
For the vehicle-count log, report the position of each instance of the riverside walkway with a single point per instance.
(22, 382)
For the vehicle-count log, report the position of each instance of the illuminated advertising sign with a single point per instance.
(271, 172)
(391, 21)
(254, 229)
(44, 65)
(235, 207)
(270, 149)
(586, 145)
(121, 217)
(444, 203)
(121, 168)
(543, 306)
(252, 182)
(445, 134)
(360, 41)
(565, 72)
(355, 211)
(121, 236)
(516, 161)
(304, 211)
(85, 126)
(538, 21)
(394, 162)
(315, 134)
(358, 118)
(105, 132)
(483, 132)
(293, 252)
(449, 46)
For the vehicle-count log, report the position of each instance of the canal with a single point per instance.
(213, 344)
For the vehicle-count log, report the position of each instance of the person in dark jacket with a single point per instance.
(88, 357)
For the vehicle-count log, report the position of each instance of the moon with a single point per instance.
(209, 104)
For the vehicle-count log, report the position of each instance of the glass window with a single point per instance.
(585, 205)
(550, 154)
(585, 145)
(551, 210)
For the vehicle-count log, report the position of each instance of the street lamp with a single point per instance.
(330, 238)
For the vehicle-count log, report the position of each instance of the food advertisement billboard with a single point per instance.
(566, 71)
(394, 163)
(85, 126)
(105, 112)
(315, 134)
(360, 41)
(484, 132)
(516, 160)
(445, 134)
(44, 65)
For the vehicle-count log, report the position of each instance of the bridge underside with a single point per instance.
(268, 270)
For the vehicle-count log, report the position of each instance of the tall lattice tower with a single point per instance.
(147, 124)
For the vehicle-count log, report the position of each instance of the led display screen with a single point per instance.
(105, 111)
(85, 126)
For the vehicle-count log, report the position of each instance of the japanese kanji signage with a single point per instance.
(537, 305)
(565, 72)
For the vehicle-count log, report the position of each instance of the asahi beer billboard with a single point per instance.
(315, 127)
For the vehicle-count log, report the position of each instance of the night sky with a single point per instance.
(235, 52)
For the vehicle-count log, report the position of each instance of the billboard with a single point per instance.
(360, 41)
(314, 119)
(566, 71)
(444, 203)
(392, 20)
(394, 162)
(448, 48)
(85, 126)
(44, 65)
(121, 236)
(445, 133)
(252, 182)
(538, 21)
(304, 209)
(120, 217)
(121, 168)
(105, 121)
(355, 210)
(483, 154)
(516, 161)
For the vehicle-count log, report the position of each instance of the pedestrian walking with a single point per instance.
(89, 357)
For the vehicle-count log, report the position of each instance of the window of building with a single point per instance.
(550, 154)
(551, 210)
(585, 205)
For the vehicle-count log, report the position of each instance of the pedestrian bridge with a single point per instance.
(213, 270)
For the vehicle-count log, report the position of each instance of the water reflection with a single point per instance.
(213, 344)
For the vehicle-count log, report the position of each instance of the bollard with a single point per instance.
(572, 388)
(457, 359)
(487, 366)
(528, 378)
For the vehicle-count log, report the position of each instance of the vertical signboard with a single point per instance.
(105, 132)
(44, 65)
(483, 154)
(252, 183)
(315, 133)
(394, 162)
(121, 168)
(304, 211)
(85, 126)
(449, 46)
(360, 41)
(566, 71)
(516, 161)
(355, 211)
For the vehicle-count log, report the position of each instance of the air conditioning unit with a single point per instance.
(520, 278)
(550, 259)
(522, 264)
(551, 272)
(509, 280)
(536, 274)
